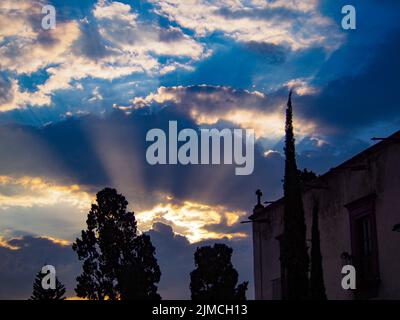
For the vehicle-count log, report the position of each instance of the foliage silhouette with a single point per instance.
(117, 262)
(215, 278)
(306, 176)
(317, 286)
(295, 253)
(39, 293)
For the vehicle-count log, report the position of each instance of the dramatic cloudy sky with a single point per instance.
(76, 104)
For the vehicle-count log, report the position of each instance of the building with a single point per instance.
(359, 220)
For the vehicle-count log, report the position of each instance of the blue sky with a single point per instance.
(76, 102)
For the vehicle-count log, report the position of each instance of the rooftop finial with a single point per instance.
(259, 195)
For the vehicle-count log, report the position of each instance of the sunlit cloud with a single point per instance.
(14, 17)
(45, 47)
(65, 54)
(16, 97)
(208, 105)
(6, 244)
(12, 242)
(265, 124)
(187, 218)
(270, 153)
(61, 242)
(191, 219)
(302, 87)
(120, 26)
(35, 191)
(296, 24)
(40, 206)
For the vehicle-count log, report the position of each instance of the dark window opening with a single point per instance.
(364, 246)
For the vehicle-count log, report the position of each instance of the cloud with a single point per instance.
(302, 87)
(52, 209)
(6, 93)
(120, 27)
(114, 45)
(35, 191)
(209, 105)
(21, 259)
(354, 102)
(43, 48)
(15, 97)
(14, 18)
(295, 24)
(193, 220)
(95, 152)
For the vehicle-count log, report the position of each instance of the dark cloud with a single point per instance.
(232, 64)
(359, 101)
(276, 54)
(278, 14)
(91, 44)
(6, 93)
(111, 151)
(18, 268)
(170, 34)
(211, 101)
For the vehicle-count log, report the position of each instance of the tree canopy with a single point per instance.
(118, 263)
(215, 278)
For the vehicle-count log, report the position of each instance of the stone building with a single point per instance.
(359, 220)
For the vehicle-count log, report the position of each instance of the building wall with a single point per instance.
(343, 187)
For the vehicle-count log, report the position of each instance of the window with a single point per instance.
(364, 246)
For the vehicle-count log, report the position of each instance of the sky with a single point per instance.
(76, 103)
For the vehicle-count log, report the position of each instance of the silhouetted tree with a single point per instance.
(215, 278)
(138, 278)
(306, 176)
(117, 262)
(294, 241)
(39, 293)
(317, 286)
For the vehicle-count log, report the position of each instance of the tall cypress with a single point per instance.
(317, 286)
(294, 241)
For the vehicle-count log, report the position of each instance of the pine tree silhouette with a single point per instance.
(294, 238)
(317, 286)
(117, 262)
(215, 278)
(39, 293)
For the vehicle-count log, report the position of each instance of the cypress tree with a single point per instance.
(317, 286)
(294, 242)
